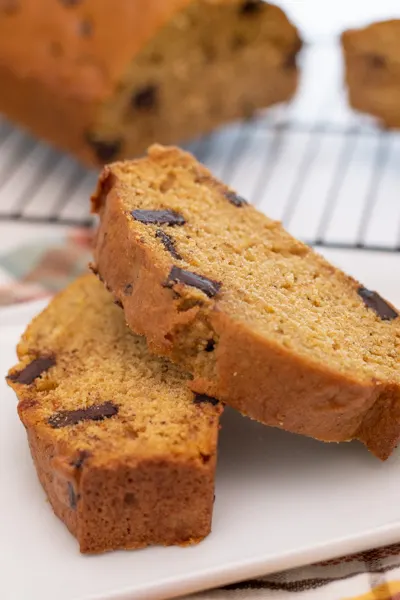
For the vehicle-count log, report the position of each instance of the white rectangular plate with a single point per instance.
(281, 501)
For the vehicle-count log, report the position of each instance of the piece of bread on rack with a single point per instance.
(104, 80)
(372, 70)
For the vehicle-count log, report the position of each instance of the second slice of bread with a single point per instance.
(124, 450)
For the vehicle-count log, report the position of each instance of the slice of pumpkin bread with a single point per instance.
(124, 450)
(262, 322)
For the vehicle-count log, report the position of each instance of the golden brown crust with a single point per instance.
(75, 56)
(155, 502)
(247, 370)
(372, 70)
(143, 476)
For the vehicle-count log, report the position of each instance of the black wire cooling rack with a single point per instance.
(331, 177)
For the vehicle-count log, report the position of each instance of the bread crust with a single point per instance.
(172, 499)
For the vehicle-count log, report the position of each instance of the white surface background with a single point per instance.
(321, 18)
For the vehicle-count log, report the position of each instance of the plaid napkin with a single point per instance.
(35, 262)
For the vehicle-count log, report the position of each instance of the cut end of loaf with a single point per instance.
(185, 82)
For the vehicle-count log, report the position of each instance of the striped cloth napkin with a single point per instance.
(37, 261)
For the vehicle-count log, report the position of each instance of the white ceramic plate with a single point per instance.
(281, 501)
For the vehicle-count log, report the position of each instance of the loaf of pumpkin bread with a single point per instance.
(262, 321)
(372, 63)
(104, 79)
(124, 450)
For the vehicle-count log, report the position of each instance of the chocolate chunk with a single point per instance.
(168, 243)
(105, 150)
(250, 7)
(80, 459)
(203, 399)
(205, 457)
(33, 370)
(208, 286)
(96, 412)
(9, 7)
(145, 98)
(235, 199)
(376, 61)
(128, 289)
(378, 304)
(86, 28)
(210, 346)
(290, 62)
(158, 217)
(130, 498)
(72, 496)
